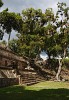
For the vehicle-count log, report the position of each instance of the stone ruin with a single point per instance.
(10, 63)
(15, 69)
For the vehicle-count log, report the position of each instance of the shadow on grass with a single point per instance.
(20, 93)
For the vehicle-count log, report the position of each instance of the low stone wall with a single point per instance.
(4, 82)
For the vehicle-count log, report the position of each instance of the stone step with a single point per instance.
(31, 83)
(29, 78)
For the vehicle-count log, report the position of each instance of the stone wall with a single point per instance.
(6, 73)
(4, 82)
(8, 77)
(9, 59)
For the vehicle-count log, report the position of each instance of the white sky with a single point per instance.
(43, 55)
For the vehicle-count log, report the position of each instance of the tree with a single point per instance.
(1, 3)
(38, 32)
(9, 21)
(63, 36)
(58, 41)
(32, 36)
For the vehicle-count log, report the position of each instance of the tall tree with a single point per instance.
(33, 33)
(1, 3)
(9, 21)
(63, 33)
(39, 32)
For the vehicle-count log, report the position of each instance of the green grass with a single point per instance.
(40, 91)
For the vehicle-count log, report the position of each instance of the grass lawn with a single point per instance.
(41, 91)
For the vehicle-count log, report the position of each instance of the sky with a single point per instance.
(43, 55)
(19, 5)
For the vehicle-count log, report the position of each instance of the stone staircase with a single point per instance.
(27, 76)
(30, 77)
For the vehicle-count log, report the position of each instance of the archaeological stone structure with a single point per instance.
(15, 69)
(10, 63)
(9, 59)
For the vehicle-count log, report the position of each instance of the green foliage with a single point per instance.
(66, 62)
(1, 3)
(37, 30)
(13, 45)
(3, 43)
(32, 21)
(49, 14)
(33, 35)
(30, 44)
(10, 21)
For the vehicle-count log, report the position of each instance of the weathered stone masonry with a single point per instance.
(16, 70)
(9, 59)
(10, 63)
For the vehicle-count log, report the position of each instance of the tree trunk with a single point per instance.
(49, 60)
(64, 53)
(59, 70)
(9, 38)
